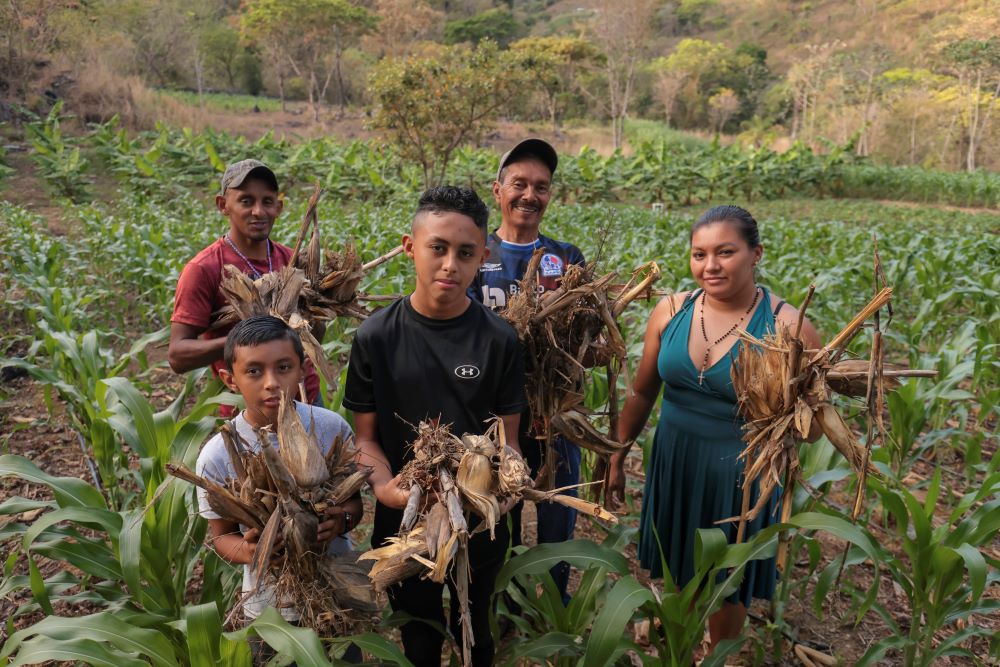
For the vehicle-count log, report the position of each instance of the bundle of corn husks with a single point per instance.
(471, 475)
(283, 492)
(563, 332)
(333, 277)
(783, 390)
(305, 293)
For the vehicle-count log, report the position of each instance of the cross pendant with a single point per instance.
(701, 376)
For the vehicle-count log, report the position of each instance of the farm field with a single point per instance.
(104, 562)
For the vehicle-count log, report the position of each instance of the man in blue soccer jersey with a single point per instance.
(522, 190)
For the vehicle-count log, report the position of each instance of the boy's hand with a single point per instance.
(249, 547)
(507, 505)
(391, 495)
(333, 526)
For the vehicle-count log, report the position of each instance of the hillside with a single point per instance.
(906, 82)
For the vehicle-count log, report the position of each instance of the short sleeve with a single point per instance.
(575, 256)
(212, 467)
(359, 392)
(194, 296)
(510, 397)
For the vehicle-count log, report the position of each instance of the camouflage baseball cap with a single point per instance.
(536, 148)
(237, 172)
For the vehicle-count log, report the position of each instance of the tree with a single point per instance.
(691, 13)
(622, 31)
(555, 61)
(220, 42)
(722, 106)
(29, 32)
(496, 24)
(430, 106)
(978, 67)
(310, 36)
(681, 75)
(402, 23)
(667, 86)
(162, 34)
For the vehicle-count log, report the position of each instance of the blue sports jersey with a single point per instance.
(497, 280)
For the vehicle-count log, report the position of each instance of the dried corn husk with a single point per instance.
(470, 475)
(285, 491)
(299, 452)
(783, 391)
(564, 331)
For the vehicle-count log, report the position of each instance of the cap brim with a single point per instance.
(537, 148)
(262, 172)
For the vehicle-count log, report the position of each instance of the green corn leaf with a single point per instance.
(81, 649)
(104, 628)
(384, 650)
(104, 520)
(94, 558)
(68, 491)
(301, 644)
(140, 412)
(546, 647)
(609, 626)
(38, 587)
(583, 604)
(17, 504)
(204, 630)
(976, 565)
(130, 551)
(878, 650)
(578, 553)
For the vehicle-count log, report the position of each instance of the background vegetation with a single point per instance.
(118, 118)
(763, 73)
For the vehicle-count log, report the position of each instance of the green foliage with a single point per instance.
(939, 569)
(591, 629)
(495, 24)
(58, 156)
(5, 171)
(430, 106)
(224, 101)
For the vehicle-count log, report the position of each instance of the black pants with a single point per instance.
(421, 598)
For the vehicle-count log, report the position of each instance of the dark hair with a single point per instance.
(257, 330)
(454, 198)
(734, 215)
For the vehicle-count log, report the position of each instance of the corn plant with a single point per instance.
(57, 156)
(75, 368)
(940, 569)
(591, 629)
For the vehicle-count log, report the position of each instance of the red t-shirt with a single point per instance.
(199, 294)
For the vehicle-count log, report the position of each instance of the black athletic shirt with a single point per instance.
(406, 368)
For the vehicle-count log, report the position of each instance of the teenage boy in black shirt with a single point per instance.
(436, 354)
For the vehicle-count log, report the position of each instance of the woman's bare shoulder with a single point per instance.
(665, 310)
(788, 315)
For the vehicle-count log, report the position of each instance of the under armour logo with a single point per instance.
(467, 372)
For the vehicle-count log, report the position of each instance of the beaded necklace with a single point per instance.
(256, 274)
(708, 350)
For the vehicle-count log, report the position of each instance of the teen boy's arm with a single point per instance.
(384, 484)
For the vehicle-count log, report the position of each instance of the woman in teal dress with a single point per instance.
(694, 473)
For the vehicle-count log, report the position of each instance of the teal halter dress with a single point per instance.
(694, 477)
